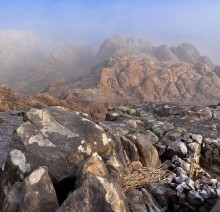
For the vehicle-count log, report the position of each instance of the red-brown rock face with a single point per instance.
(140, 79)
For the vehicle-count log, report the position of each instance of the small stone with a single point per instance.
(179, 189)
(197, 184)
(214, 182)
(174, 158)
(204, 194)
(177, 148)
(112, 116)
(183, 164)
(167, 164)
(218, 192)
(171, 177)
(195, 198)
(181, 178)
(179, 170)
(136, 165)
(216, 151)
(194, 147)
(185, 186)
(210, 191)
(197, 138)
(190, 183)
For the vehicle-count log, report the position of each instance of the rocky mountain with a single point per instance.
(118, 46)
(155, 157)
(124, 70)
(135, 71)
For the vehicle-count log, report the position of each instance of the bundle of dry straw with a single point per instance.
(143, 176)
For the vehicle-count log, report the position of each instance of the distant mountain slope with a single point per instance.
(65, 63)
(18, 51)
(137, 71)
(11, 100)
(28, 62)
(124, 70)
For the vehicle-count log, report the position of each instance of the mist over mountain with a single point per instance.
(62, 64)
(109, 106)
(124, 68)
(19, 50)
(131, 70)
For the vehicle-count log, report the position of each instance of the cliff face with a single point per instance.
(137, 79)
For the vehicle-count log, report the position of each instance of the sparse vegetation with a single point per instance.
(133, 112)
(146, 126)
(157, 133)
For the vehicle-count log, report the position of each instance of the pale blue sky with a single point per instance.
(90, 21)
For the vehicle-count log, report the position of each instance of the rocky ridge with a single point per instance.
(61, 158)
(11, 100)
(134, 71)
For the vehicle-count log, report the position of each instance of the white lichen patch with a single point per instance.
(49, 124)
(20, 130)
(105, 139)
(114, 162)
(40, 141)
(112, 196)
(84, 119)
(95, 154)
(54, 126)
(36, 176)
(98, 127)
(115, 114)
(18, 159)
(85, 114)
(83, 141)
(36, 113)
(87, 150)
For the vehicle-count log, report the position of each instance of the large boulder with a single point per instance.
(147, 152)
(96, 194)
(36, 193)
(60, 139)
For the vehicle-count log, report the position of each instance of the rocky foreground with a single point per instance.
(152, 158)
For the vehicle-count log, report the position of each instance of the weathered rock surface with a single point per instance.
(36, 193)
(96, 194)
(65, 160)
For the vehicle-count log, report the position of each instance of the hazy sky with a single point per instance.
(90, 21)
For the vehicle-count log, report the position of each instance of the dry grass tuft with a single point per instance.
(143, 176)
